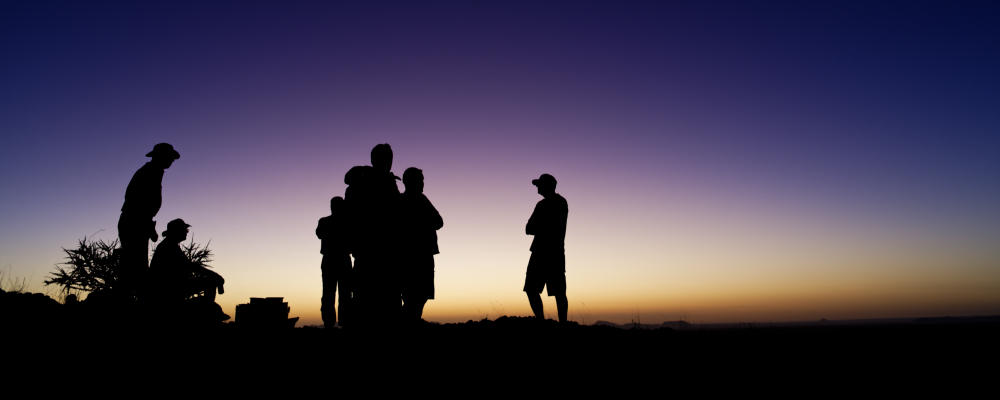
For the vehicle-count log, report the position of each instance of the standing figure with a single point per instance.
(420, 221)
(373, 202)
(336, 266)
(547, 265)
(135, 225)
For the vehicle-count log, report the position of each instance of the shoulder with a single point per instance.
(139, 173)
(553, 204)
(386, 177)
(166, 247)
(146, 168)
(147, 171)
(553, 201)
(561, 201)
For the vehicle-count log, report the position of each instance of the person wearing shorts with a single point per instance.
(420, 223)
(547, 265)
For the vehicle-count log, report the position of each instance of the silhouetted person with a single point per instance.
(174, 278)
(336, 266)
(355, 205)
(373, 201)
(547, 265)
(420, 221)
(135, 225)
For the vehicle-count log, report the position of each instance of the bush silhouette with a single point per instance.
(92, 266)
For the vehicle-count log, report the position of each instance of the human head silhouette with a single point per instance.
(177, 230)
(546, 184)
(356, 174)
(163, 155)
(382, 157)
(336, 205)
(413, 180)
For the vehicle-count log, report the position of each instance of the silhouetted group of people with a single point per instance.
(392, 238)
(171, 279)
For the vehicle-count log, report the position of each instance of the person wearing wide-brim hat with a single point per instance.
(136, 227)
(173, 277)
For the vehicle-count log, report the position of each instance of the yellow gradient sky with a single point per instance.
(752, 161)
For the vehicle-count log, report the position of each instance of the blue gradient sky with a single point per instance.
(722, 160)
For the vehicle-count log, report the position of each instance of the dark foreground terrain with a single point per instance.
(515, 351)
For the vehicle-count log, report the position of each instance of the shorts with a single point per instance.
(548, 270)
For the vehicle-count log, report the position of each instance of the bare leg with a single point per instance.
(535, 300)
(563, 304)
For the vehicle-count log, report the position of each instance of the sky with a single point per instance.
(722, 161)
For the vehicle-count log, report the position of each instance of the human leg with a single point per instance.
(418, 286)
(345, 290)
(562, 304)
(555, 283)
(413, 308)
(418, 309)
(328, 309)
(535, 300)
(134, 261)
(534, 281)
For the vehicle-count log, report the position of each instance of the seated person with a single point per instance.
(174, 278)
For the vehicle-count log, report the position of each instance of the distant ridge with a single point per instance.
(945, 320)
(681, 324)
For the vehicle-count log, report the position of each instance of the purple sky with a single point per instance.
(681, 134)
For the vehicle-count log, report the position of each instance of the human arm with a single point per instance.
(322, 229)
(152, 231)
(533, 222)
(434, 220)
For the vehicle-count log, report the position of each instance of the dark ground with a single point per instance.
(957, 353)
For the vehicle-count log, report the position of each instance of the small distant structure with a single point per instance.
(264, 313)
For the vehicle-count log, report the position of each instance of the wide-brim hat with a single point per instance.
(177, 225)
(165, 150)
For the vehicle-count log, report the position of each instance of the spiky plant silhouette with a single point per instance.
(92, 266)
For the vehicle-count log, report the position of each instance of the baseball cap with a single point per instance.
(544, 179)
